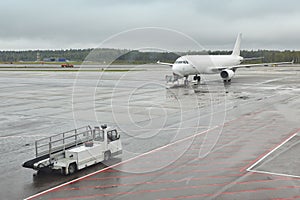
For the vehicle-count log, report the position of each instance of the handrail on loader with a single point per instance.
(62, 141)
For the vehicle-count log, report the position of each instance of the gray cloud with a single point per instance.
(34, 24)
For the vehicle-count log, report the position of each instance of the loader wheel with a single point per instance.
(107, 155)
(40, 166)
(72, 168)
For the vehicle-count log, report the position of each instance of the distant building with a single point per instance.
(52, 59)
(61, 60)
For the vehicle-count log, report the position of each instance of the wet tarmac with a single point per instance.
(194, 142)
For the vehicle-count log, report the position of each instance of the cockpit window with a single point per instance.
(182, 62)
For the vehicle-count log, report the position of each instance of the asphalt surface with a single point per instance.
(194, 142)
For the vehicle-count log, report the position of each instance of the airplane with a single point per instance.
(225, 65)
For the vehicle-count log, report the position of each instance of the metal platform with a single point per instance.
(56, 144)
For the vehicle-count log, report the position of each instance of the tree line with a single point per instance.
(124, 56)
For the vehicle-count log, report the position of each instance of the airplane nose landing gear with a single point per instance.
(227, 81)
(186, 81)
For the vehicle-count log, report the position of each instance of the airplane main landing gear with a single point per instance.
(197, 78)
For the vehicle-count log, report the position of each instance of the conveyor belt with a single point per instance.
(30, 163)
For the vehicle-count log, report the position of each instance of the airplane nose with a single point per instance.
(177, 70)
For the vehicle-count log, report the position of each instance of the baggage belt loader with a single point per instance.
(76, 149)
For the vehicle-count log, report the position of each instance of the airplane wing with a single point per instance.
(253, 58)
(251, 65)
(163, 63)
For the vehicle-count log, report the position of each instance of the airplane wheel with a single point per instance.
(198, 78)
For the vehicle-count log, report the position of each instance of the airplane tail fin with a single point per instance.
(237, 47)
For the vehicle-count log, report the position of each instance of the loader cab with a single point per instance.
(113, 135)
(104, 133)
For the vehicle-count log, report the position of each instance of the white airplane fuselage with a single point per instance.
(203, 64)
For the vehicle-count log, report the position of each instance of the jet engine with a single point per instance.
(227, 74)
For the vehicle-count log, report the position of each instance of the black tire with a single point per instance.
(107, 155)
(72, 168)
(41, 166)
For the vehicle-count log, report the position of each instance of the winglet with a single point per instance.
(237, 47)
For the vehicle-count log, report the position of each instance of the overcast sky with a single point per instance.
(214, 24)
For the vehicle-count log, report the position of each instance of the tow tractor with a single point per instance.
(76, 149)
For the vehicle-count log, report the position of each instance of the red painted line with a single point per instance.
(208, 177)
(119, 193)
(268, 151)
(247, 191)
(162, 173)
(169, 181)
(192, 196)
(143, 191)
(232, 193)
(225, 176)
(185, 164)
(176, 189)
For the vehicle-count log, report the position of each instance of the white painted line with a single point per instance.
(272, 173)
(257, 162)
(20, 136)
